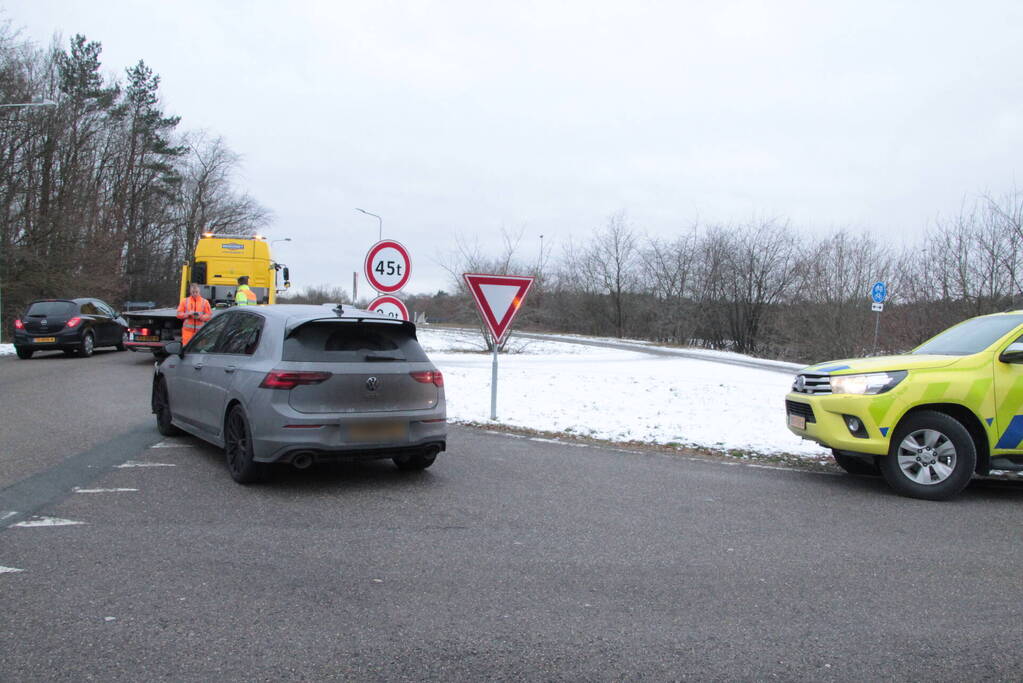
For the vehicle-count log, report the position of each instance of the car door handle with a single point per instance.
(230, 368)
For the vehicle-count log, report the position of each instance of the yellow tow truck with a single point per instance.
(927, 420)
(218, 262)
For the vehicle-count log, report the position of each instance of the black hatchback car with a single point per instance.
(75, 326)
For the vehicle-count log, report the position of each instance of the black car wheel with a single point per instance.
(417, 461)
(121, 346)
(932, 456)
(238, 449)
(88, 345)
(161, 406)
(23, 354)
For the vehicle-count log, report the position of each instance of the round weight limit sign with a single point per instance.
(387, 266)
(391, 306)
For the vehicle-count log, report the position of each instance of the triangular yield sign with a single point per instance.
(498, 297)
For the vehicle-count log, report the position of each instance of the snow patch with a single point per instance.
(133, 463)
(10, 570)
(79, 489)
(7, 350)
(618, 395)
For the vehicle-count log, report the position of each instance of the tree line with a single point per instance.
(762, 286)
(102, 194)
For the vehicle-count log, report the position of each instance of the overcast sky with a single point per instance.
(468, 117)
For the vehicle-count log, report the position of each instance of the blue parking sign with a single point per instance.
(879, 292)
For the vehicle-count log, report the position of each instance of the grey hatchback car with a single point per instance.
(302, 384)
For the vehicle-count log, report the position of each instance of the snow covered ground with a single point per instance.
(618, 395)
(6, 349)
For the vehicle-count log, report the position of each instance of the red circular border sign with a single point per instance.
(390, 300)
(371, 276)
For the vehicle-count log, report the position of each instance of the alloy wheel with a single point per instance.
(927, 457)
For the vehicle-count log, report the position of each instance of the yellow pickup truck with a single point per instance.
(927, 420)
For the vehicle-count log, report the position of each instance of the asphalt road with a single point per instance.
(511, 558)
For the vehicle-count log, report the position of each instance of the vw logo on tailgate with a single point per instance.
(372, 383)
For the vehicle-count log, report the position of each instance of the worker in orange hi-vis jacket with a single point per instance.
(195, 311)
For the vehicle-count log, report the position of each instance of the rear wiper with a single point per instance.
(377, 356)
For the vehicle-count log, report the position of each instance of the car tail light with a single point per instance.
(433, 377)
(74, 322)
(145, 331)
(287, 379)
(18, 325)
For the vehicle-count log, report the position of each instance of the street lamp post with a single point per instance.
(40, 103)
(283, 239)
(380, 234)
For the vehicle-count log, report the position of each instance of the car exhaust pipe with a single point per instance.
(302, 461)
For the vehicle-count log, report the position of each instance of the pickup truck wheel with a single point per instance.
(857, 465)
(238, 449)
(161, 406)
(932, 456)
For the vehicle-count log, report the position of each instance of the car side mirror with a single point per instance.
(1013, 353)
(174, 348)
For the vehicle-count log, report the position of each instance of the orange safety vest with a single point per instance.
(194, 304)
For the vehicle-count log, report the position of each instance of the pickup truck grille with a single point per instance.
(812, 384)
(803, 409)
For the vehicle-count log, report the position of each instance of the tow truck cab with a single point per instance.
(218, 262)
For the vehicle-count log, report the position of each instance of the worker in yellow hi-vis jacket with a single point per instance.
(244, 296)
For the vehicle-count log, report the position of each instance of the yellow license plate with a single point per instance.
(150, 337)
(797, 421)
(41, 340)
(378, 431)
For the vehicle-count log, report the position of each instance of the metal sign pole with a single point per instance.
(493, 385)
(877, 326)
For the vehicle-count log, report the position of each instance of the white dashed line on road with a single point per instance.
(47, 521)
(10, 570)
(133, 463)
(79, 489)
(172, 444)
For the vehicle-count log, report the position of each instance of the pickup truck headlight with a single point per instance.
(872, 383)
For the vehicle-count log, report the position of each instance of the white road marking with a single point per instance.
(133, 463)
(47, 521)
(538, 439)
(172, 444)
(78, 489)
(10, 570)
(7, 515)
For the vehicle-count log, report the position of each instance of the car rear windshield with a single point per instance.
(969, 337)
(352, 342)
(52, 308)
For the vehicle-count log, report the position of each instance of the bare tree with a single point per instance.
(609, 264)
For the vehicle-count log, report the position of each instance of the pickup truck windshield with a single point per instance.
(971, 336)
